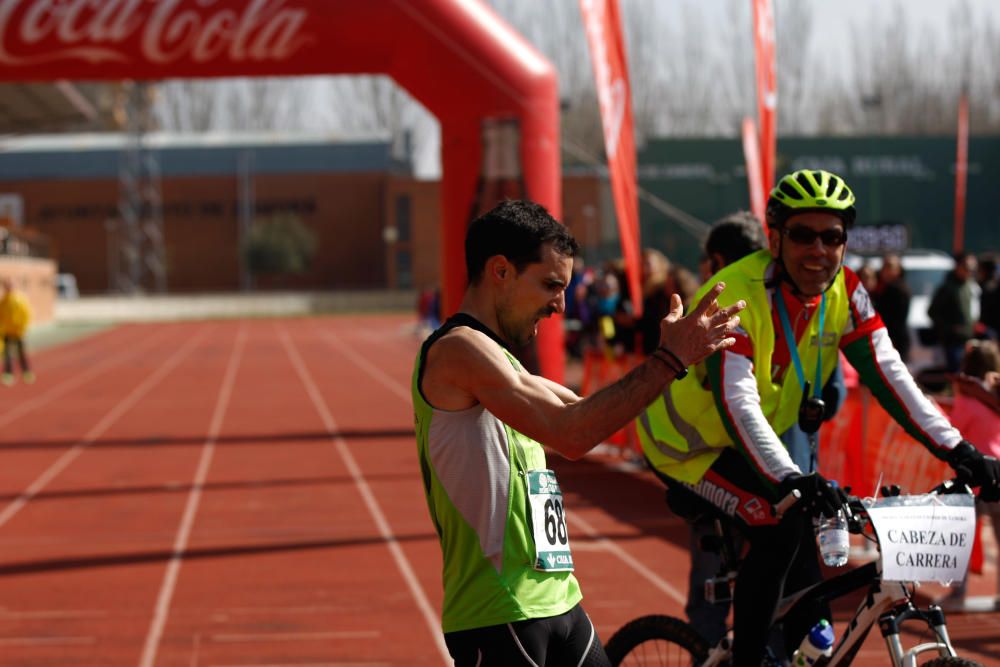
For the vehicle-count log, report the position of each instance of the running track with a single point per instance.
(246, 493)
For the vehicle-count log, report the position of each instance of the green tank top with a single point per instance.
(474, 473)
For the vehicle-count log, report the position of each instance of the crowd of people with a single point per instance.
(599, 313)
(727, 401)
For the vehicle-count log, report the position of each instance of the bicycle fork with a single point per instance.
(890, 623)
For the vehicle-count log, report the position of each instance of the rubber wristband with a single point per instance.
(666, 363)
(678, 372)
(680, 367)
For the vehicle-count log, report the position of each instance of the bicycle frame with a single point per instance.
(887, 604)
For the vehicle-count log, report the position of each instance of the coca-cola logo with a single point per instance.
(160, 31)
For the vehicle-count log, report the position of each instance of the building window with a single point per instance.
(404, 269)
(403, 218)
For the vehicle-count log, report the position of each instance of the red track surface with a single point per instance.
(247, 493)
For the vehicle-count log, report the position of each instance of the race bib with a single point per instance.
(548, 521)
(925, 538)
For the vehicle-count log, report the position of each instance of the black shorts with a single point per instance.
(566, 640)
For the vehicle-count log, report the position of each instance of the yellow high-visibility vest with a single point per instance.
(682, 432)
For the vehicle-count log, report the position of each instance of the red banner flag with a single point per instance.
(602, 22)
(751, 157)
(961, 172)
(767, 89)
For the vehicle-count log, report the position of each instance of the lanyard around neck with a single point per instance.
(793, 349)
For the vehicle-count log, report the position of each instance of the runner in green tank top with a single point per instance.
(510, 597)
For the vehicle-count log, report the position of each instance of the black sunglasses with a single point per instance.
(832, 238)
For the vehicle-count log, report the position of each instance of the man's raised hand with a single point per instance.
(704, 330)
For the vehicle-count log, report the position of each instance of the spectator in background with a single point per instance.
(428, 311)
(577, 316)
(989, 300)
(659, 279)
(605, 306)
(954, 310)
(15, 315)
(684, 283)
(976, 413)
(867, 276)
(891, 297)
(731, 238)
(655, 278)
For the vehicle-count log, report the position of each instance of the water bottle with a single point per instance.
(834, 540)
(819, 642)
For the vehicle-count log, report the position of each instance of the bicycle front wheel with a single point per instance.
(656, 640)
(952, 662)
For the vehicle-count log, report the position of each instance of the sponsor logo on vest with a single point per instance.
(258, 31)
(718, 496)
(830, 339)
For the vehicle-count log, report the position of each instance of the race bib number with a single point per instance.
(925, 538)
(548, 521)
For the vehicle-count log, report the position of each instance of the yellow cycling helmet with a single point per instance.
(810, 190)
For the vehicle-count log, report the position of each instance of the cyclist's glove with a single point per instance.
(979, 470)
(819, 496)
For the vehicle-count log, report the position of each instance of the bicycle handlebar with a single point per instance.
(786, 503)
(857, 511)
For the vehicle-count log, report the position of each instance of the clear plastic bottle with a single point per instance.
(819, 642)
(834, 540)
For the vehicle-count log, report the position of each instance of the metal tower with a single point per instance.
(137, 258)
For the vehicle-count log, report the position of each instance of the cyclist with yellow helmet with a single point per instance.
(713, 435)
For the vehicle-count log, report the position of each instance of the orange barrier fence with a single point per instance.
(864, 448)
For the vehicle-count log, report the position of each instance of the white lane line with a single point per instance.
(47, 641)
(94, 433)
(409, 576)
(10, 614)
(377, 374)
(268, 611)
(65, 387)
(166, 594)
(602, 542)
(627, 558)
(294, 636)
(309, 664)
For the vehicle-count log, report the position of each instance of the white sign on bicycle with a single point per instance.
(925, 538)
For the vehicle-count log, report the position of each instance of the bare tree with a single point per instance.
(907, 85)
(797, 84)
(692, 73)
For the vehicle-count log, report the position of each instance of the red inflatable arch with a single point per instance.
(457, 57)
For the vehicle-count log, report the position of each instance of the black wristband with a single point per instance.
(679, 371)
(664, 361)
(677, 365)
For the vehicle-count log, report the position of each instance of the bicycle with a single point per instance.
(665, 640)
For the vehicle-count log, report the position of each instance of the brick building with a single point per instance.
(376, 226)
